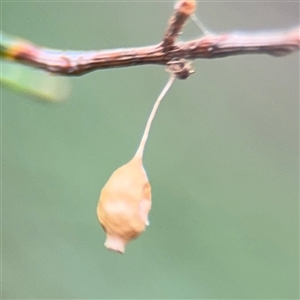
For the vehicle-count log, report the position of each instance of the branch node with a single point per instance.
(181, 68)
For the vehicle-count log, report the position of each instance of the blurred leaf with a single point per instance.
(34, 82)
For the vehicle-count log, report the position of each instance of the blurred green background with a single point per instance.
(222, 159)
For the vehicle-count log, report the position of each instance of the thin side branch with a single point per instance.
(75, 63)
(183, 10)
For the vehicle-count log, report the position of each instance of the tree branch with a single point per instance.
(75, 63)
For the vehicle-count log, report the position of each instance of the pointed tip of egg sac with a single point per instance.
(115, 243)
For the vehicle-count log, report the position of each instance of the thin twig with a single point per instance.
(183, 10)
(75, 63)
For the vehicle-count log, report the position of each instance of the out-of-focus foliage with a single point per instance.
(35, 83)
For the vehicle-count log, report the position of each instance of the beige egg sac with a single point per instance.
(125, 200)
(124, 204)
